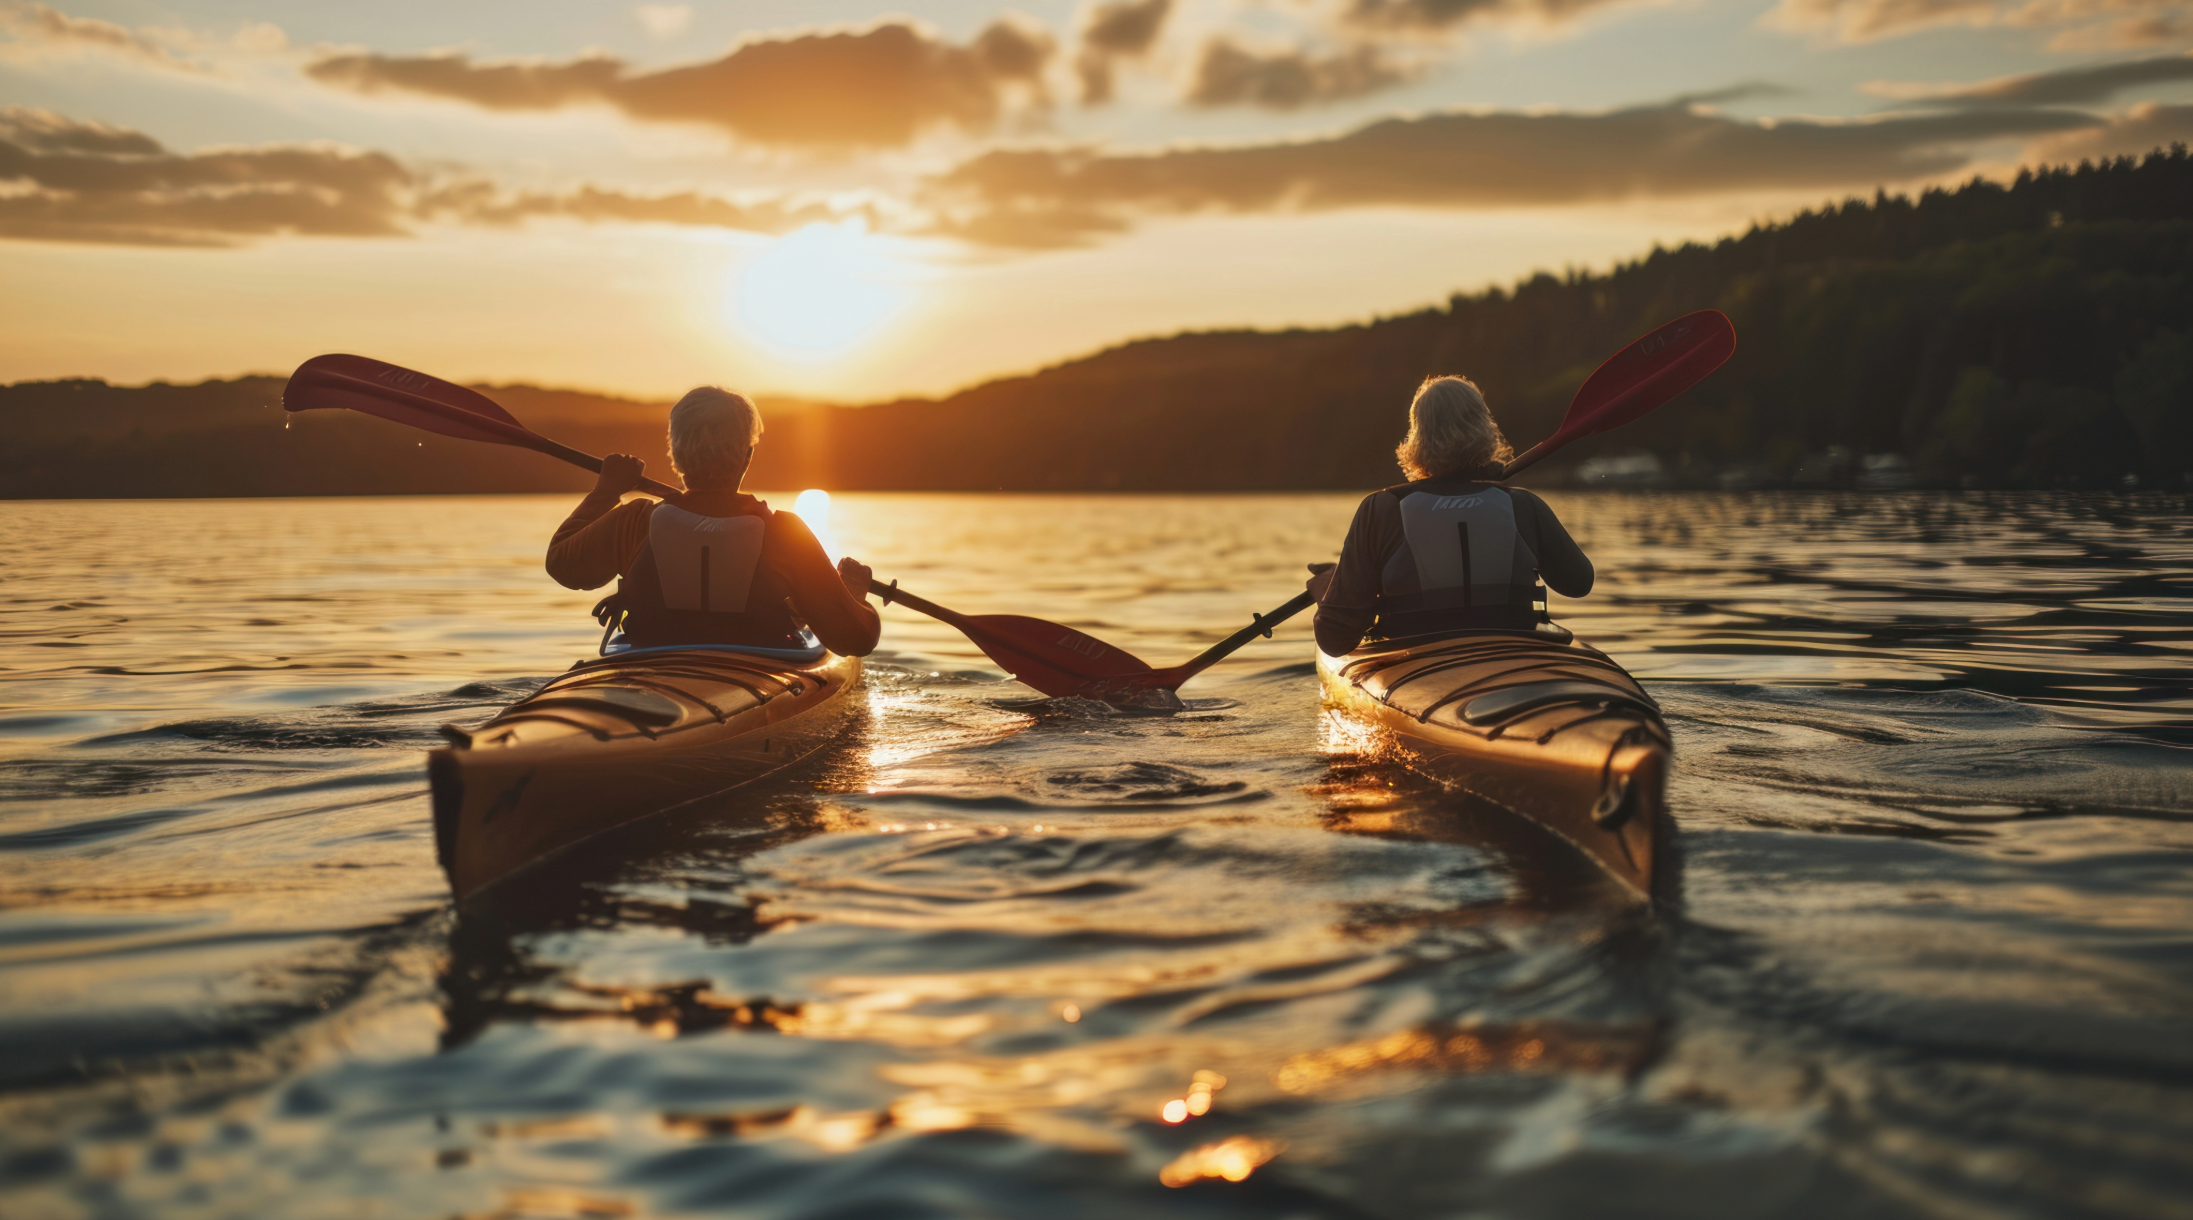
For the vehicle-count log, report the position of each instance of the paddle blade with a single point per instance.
(1052, 657)
(1649, 372)
(392, 392)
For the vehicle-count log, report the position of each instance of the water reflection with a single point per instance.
(1002, 955)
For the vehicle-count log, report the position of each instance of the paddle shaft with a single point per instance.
(508, 434)
(1262, 624)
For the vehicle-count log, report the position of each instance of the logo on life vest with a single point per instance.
(1445, 502)
(1082, 644)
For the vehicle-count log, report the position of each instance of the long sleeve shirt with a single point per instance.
(602, 539)
(1350, 605)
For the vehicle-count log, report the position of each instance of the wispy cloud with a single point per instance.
(1037, 198)
(1232, 75)
(2080, 24)
(878, 87)
(2070, 86)
(38, 32)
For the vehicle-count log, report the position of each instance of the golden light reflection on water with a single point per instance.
(1205, 948)
(1232, 1159)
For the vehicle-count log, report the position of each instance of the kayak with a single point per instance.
(613, 740)
(1535, 721)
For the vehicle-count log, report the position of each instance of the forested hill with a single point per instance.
(2039, 334)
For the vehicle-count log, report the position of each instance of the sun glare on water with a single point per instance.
(817, 292)
(813, 507)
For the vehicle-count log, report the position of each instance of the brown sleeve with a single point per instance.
(1350, 603)
(1563, 564)
(845, 624)
(599, 541)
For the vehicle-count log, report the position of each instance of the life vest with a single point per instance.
(1462, 563)
(700, 580)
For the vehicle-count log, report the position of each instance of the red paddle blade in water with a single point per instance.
(1051, 657)
(401, 395)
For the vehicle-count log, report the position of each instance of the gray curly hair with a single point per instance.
(1450, 429)
(712, 434)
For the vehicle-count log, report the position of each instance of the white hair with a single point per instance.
(1450, 430)
(712, 434)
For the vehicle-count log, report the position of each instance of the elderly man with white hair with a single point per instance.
(718, 566)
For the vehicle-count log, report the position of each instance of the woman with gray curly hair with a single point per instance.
(718, 566)
(1450, 550)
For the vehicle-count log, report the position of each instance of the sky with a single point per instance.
(842, 201)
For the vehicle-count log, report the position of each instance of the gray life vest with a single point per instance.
(1462, 559)
(704, 563)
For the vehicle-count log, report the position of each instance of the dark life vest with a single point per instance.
(700, 580)
(1462, 564)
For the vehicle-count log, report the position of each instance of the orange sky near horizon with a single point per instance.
(832, 201)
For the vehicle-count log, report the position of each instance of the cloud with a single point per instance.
(2096, 83)
(76, 181)
(1122, 29)
(39, 30)
(64, 179)
(664, 20)
(878, 87)
(1230, 75)
(1420, 17)
(1036, 198)
(2142, 129)
(2083, 24)
(482, 202)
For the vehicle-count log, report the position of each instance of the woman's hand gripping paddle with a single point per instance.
(356, 383)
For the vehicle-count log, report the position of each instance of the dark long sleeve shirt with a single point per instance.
(601, 540)
(1349, 608)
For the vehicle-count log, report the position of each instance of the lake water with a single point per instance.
(1934, 955)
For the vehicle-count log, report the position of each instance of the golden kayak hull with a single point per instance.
(615, 740)
(1549, 728)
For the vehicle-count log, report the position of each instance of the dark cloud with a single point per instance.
(1437, 16)
(2097, 83)
(877, 87)
(1229, 75)
(1122, 29)
(42, 131)
(62, 179)
(73, 181)
(2142, 129)
(1050, 197)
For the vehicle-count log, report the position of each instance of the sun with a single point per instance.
(818, 292)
